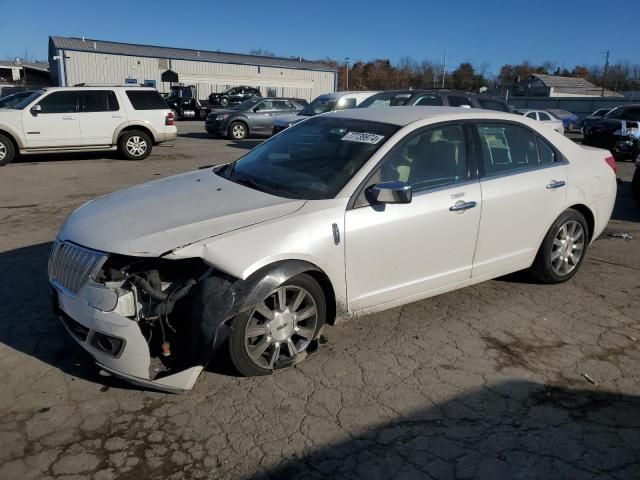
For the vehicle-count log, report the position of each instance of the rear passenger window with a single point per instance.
(543, 117)
(146, 100)
(507, 148)
(545, 152)
(429, 100)
(455, 101)
(489, 104)
(99, 101)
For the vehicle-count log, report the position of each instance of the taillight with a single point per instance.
(612, 163)
(168, 118)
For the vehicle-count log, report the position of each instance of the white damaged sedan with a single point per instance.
(344, 214)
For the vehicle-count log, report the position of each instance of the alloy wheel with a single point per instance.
(3, 151)
(238, 131)
(281, 326)
(567, 249)
(136, 146)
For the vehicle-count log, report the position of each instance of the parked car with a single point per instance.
(322, 104)
(10, 100)
(234, 96)
(618, 131)
(597, 115)
(570, 121)
(635, 182)
(341, 215)
(252, 117)
(543, 117)
(435, 98)
(71, 119)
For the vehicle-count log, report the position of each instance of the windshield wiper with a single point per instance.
(249, 182)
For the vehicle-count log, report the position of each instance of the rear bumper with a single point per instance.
(168, 136)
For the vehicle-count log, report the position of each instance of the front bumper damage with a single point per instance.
(152, 321)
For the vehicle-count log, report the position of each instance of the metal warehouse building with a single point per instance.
(81, 60)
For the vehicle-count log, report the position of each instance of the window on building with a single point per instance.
(272, 92)
(130, 80)
(150, 83)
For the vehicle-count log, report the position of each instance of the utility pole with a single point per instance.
(604, 74)
(444, 67)
(347, 65)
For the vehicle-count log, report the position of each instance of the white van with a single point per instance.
(327, 102)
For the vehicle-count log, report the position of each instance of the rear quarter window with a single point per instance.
(146, 100)
(493, 105)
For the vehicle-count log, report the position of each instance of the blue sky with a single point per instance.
(489, 31)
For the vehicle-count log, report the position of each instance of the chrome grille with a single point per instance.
(70, 266)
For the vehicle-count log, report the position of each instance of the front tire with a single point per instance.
(563, 249)
(134, 145)
(276, 332)
(238, 131)
(7, 151)
(224, 101)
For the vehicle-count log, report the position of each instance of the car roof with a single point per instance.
(98, 87)
(339, 95)
(402, 116)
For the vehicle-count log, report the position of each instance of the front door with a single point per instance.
(57, 123)
(524, 189)
(263, 117)
(401, 252)
(100, 114)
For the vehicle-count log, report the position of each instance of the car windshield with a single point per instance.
(318, 106)
(600, 113)
(614, 113)
(313, 160)
(387, 99)
(26, 101)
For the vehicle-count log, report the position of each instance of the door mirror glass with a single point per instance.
(36, 109)
(390, 192)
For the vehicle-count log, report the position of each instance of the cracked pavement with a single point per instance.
(506, 379)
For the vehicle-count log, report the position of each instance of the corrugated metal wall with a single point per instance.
(98, 68)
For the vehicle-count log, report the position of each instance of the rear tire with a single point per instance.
(134, 145)
(563, 249)
(7, 150)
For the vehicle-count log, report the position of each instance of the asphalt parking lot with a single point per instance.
(507, 379)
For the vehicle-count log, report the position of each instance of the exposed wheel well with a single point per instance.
(329, 294)
(139, 128)
(588, 215)
(13, 140)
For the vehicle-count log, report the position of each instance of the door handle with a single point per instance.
(556, 184)
(460, 206)
(68, 117)
(115, 115)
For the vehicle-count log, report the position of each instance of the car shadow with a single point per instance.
(57, 157)
(27, 323)
(246, 144)
(625, 208)
(198, 135)
(513, 429)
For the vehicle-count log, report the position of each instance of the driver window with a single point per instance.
(431, 158)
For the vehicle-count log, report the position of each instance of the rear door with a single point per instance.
(524, 188)
(100, 115)
(57, 124)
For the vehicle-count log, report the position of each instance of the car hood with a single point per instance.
(285, 120)
(156, 217)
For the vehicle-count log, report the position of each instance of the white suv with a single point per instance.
(69, 119)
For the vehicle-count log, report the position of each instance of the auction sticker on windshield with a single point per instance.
(362, 137)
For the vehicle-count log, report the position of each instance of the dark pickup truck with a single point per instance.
(618, 131)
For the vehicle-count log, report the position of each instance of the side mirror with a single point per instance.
(36, 109)
(390, 192)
